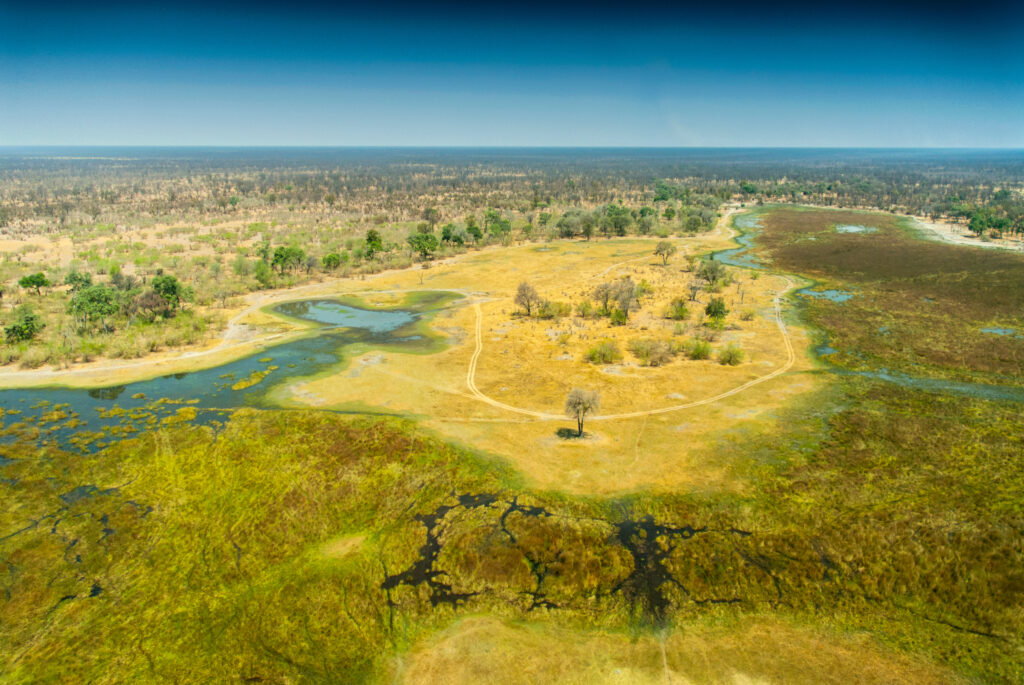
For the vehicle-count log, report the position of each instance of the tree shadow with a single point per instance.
(569, 434)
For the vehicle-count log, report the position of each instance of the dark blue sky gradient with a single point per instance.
(651, 74)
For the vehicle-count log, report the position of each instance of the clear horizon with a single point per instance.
(896, 75)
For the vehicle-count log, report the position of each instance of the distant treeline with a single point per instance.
(91, 184)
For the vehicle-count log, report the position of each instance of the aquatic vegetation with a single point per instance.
(308, 356)
(931, 300)
(254, 378)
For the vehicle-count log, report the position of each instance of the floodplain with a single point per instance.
(390, 491)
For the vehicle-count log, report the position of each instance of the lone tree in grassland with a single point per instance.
(527, 297)
(578, 404)
(36, 281)
(665, 249)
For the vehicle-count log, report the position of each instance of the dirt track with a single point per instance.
(543, 416)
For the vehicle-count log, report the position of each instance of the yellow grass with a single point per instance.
(341, 547)
(483, 649)
(527, 365)
(503, 392)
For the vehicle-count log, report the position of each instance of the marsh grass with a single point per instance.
(170, 550)
(931, 299)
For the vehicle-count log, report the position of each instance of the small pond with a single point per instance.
(1001, 331)
(335, 314)
(830, 295)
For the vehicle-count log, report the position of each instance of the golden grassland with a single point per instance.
(532, 363)
(479, 649)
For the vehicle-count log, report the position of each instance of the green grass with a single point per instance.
(225, 573)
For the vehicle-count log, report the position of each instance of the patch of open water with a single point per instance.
(211, 392)
(749, 225)
(830, 295)
(1001, 331)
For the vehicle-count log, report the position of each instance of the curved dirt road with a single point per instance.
(544, 416)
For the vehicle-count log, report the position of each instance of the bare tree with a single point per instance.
(625, 294)
(604, 294)
(578, 404)
(527, 297)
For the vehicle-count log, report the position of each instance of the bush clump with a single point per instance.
(650, 352)
(605, 352)
(730, 355)
(553, 310)
(716, 309)
(698, 349)
(677, 310)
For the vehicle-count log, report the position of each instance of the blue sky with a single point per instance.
(306, 73)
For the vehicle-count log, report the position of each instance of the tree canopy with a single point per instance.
(172, 290)
(423, 243)
(94, 303)
(36, 281)
(527, 297)
(665, 249)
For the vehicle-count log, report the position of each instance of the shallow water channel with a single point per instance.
(54, 414)
(750, 225)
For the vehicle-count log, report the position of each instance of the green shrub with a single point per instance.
(730, 355)
(618, 318)
(26, 325)
(90, 349)
(698, 349)
(677, 310)
(553, 310)
(716, 308)
(585, 309)
(605, 352)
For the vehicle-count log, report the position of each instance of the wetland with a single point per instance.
(383, 495)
